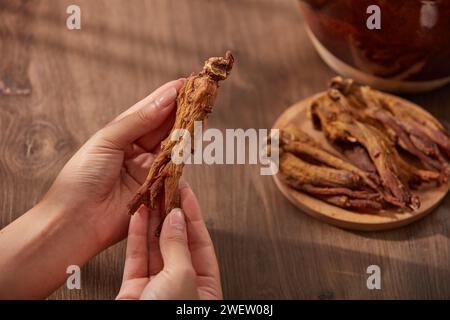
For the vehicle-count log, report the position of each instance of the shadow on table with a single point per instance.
(260, 267)
(150, 36)
(436, 102)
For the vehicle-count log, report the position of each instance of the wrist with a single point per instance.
(37, 248)
(71, 221)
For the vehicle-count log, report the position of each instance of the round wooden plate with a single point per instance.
(384, 220)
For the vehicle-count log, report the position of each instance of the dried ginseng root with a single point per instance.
(306, 166)
(341, 125)
(195, 101)
(404, 147)
(296, 141)
(414, 131)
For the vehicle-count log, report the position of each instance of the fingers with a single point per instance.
(136, 260)
(139, 166)
(143, 120)
(202, 249)
(133, 150)
(154, 137)
(155, 262)
(150, 140)
(174, 243)
(177, 280)
(177, 84)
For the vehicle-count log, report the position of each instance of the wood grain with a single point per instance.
(79, 80)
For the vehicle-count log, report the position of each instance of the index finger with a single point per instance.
(152, 96)
(136, 260)
(200, 244)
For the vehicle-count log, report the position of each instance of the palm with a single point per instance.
(104, 180)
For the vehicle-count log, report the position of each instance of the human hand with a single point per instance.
(181, 264)
(95, 186)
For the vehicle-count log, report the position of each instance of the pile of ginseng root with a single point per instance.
(381, 150)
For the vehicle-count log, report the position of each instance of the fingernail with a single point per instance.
(166, 98)
(177, 219)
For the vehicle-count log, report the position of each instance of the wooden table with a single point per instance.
(64, 85)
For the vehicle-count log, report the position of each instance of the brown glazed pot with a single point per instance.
(410, 53)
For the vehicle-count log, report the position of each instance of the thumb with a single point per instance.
(136, 124)
(174, 242)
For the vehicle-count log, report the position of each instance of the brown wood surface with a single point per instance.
(57, 87)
